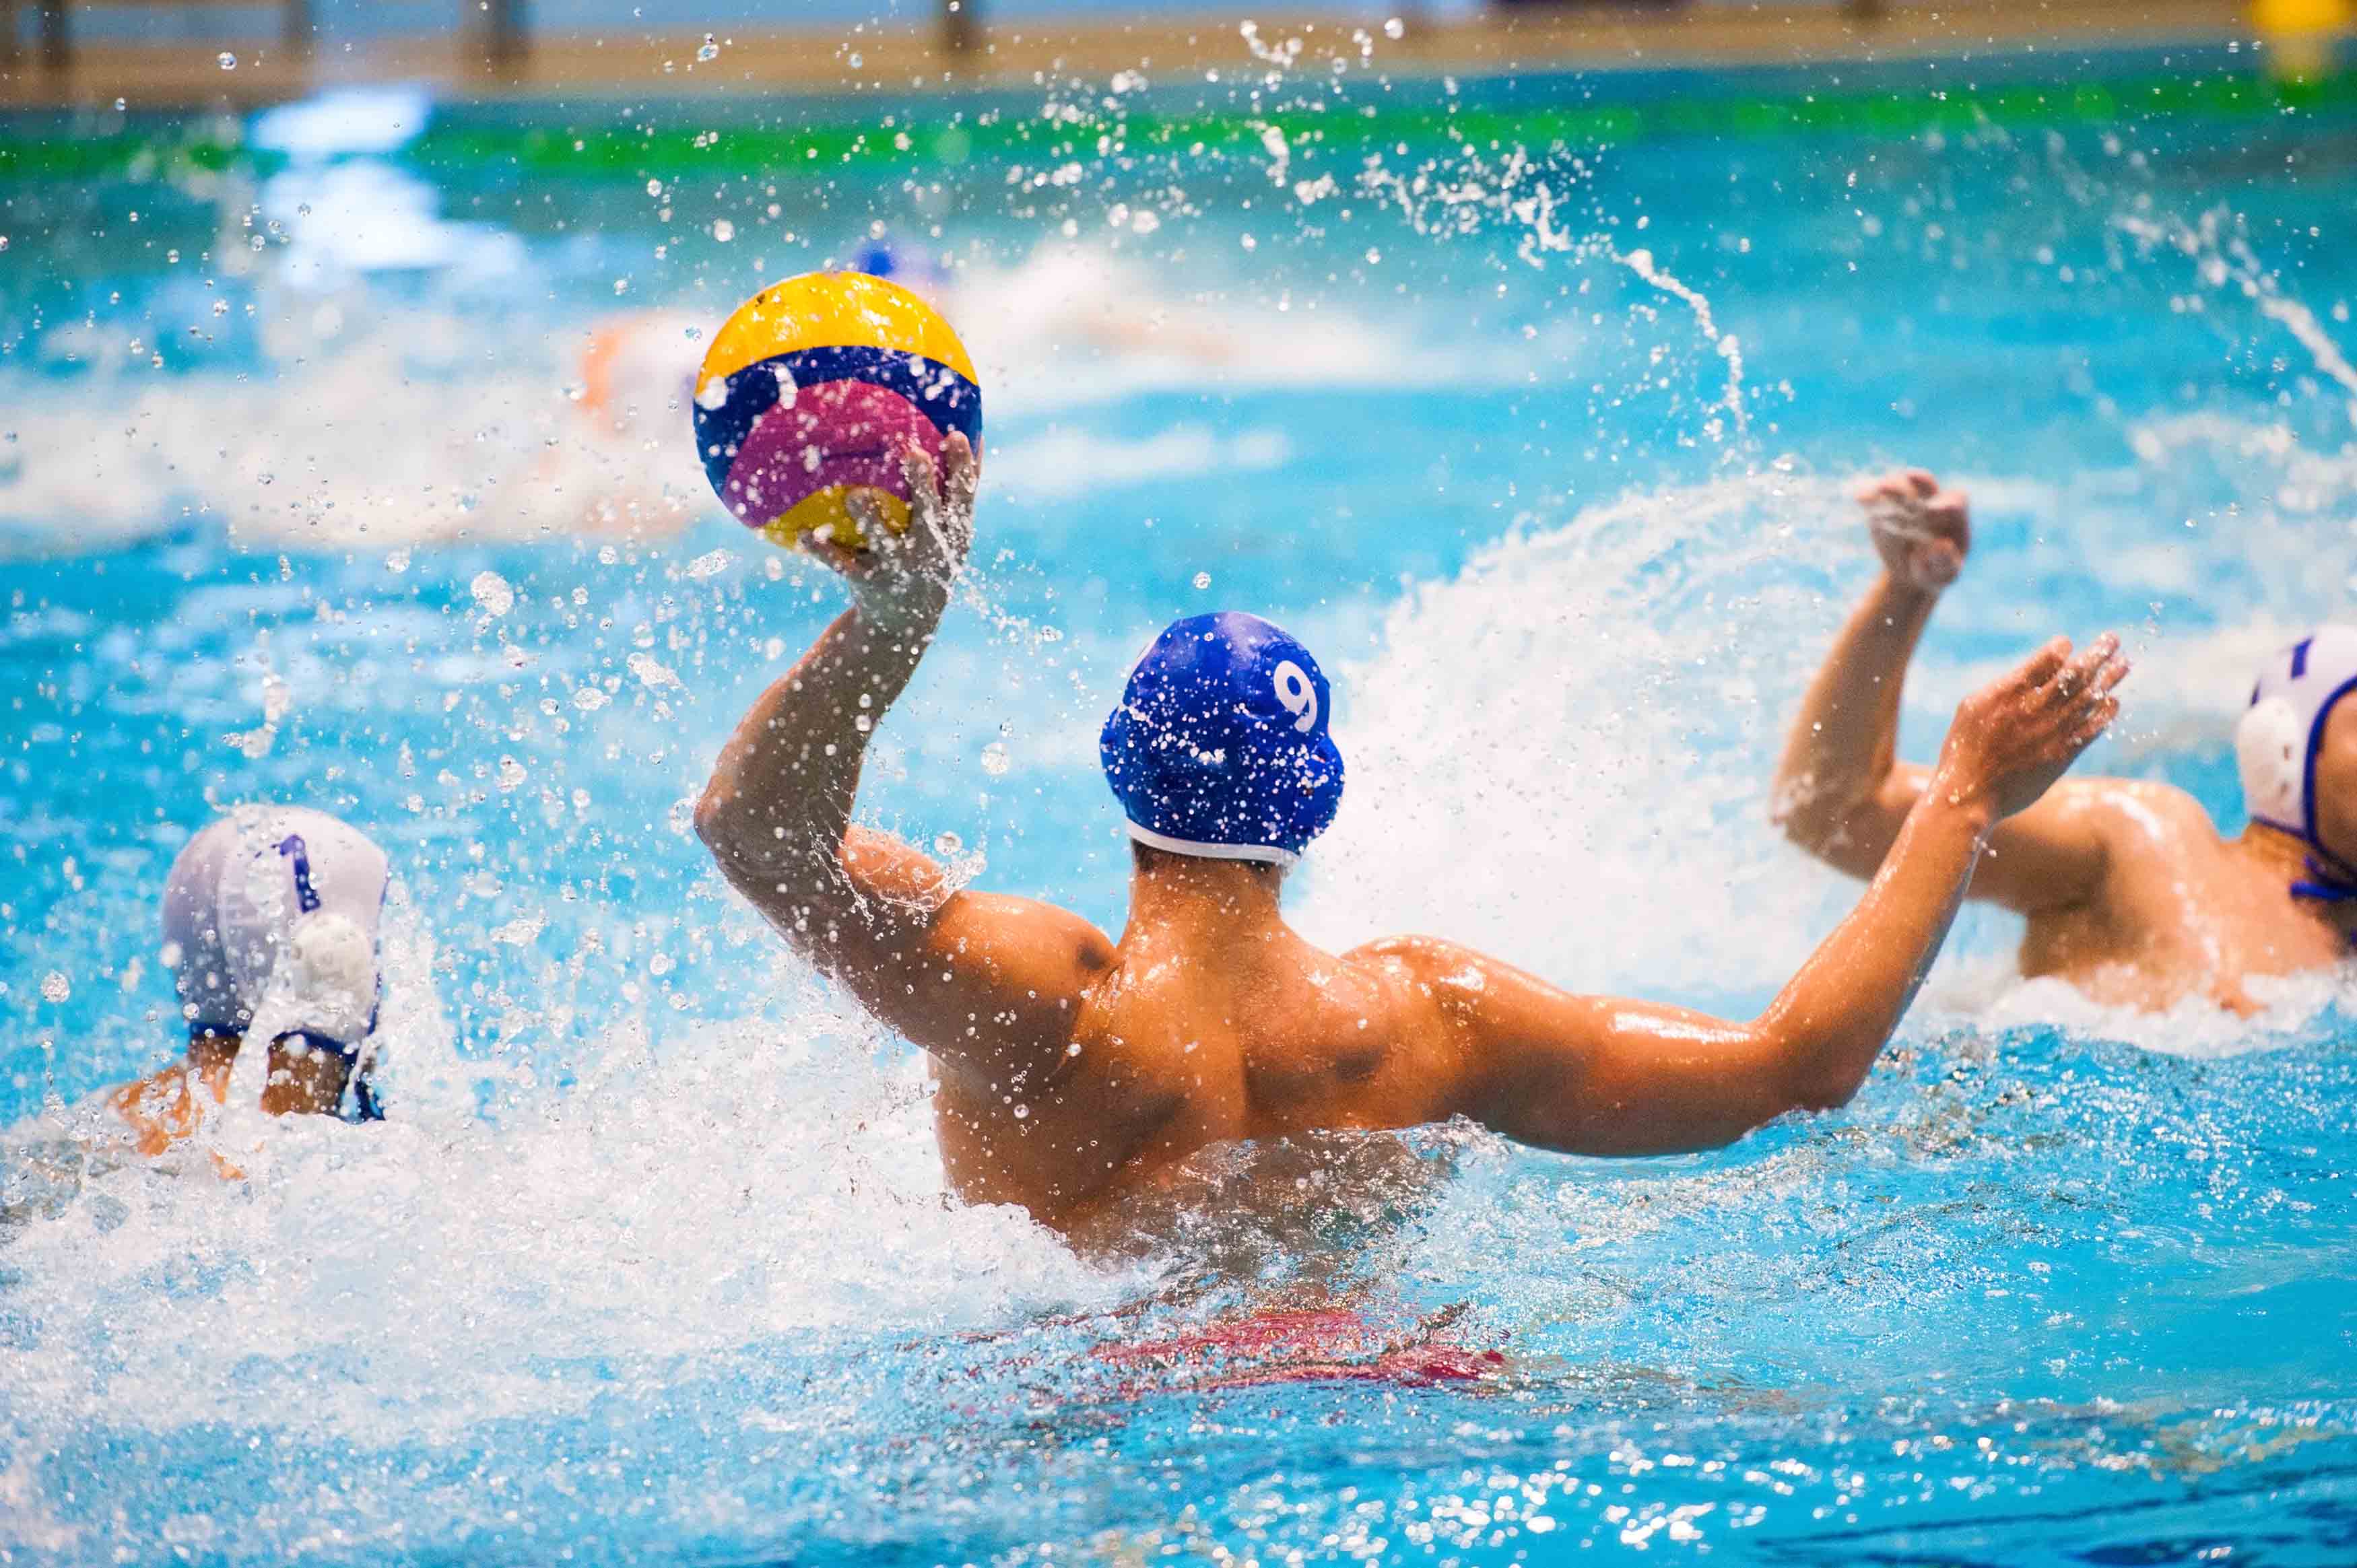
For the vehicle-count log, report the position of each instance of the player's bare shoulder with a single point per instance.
(2135, 815)
(1429, 975)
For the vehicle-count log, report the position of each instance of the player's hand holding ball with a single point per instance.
(902, 579)
(810, 401)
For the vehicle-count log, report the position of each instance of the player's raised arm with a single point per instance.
(1599, 1075)
(968, 976)
(1841, 792)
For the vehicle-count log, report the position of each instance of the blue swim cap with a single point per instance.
(1219, 747)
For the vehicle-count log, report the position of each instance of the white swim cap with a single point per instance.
(277, 905)
(2277, 740)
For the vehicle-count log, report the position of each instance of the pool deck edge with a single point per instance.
(895, 61)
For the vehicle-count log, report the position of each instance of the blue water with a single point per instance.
(652, 1262)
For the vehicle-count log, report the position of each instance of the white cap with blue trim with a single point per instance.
(2277, 740)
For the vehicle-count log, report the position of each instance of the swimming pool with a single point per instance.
(309, 494)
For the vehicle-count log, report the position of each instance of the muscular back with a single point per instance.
(2175, 909)
(1173, 1050)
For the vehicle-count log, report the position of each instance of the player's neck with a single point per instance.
(1201, 903)
(211, 1059)
(2287, 856)
(312, 1084)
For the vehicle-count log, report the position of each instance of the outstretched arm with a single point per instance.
(1840, 792)
(983, 983)
(1593, 1075)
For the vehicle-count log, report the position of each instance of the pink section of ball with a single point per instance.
(839, 433)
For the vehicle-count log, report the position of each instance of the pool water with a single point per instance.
(1531, 406)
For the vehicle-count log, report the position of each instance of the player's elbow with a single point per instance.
(1815, 1096)
(730, 834)
(1810, 1087)
(718, 819)
(1811, 817)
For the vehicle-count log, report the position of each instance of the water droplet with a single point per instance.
(994, 759)
(55, 987)
(491, 590)
(723, 230)
(1202, 580)
(227, 60)
(1395, 29)
(948, 845)
(711, 49)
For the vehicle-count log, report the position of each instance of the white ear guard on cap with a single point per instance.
(328, 975)
(2277, 742)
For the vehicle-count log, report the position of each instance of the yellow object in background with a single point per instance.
(2302, 37)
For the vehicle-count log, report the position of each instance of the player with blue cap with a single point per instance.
(1077, 1073)
(1219, 746)
(2132, 893)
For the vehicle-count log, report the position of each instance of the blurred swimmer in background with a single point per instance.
(1078, 1073)
(1061, 296)
(270, 931)
(2132, 893)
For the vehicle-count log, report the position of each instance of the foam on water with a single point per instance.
(453, 1268)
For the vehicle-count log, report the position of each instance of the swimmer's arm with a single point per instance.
(777, 810)
(987, 983)
(1834, 793)
(1841, 794)
(967, 976)
(2050, 857)
(1598, 1074)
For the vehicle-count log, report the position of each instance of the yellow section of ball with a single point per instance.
(826, 514)
(832, 310)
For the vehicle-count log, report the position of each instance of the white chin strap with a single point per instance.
(1265, 855)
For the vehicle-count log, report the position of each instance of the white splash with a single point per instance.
(1724, 344)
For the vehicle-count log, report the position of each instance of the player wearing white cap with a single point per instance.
(270, 931)
(2132, 893)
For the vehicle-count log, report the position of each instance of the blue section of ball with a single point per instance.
(1220, 746)
(943, 396)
